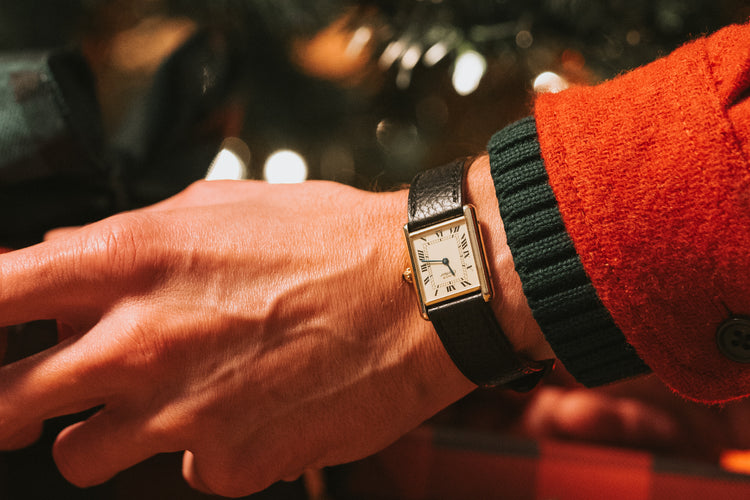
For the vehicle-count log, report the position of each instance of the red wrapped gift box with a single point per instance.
(448, 464)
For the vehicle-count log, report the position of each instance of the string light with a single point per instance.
(232, 161)
(435, 54)
(468, 72)
(285, 167)
(549, 82)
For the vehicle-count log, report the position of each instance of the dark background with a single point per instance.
(165, 81)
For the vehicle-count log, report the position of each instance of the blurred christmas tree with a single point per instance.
(364, 89)
(365, 92)
(393, 107)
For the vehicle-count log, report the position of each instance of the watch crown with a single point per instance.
(408, 275)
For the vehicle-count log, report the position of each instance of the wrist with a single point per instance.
(452, 281)
(509, 302)
(434, 377)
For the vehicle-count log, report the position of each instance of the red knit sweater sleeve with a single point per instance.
(651, 173)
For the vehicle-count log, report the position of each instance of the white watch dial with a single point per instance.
(444, 261)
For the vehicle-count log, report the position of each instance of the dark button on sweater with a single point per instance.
(733, 339)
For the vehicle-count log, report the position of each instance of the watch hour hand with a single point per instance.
(447, 263)
(444, 260)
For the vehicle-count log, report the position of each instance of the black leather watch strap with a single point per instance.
(466, 325)
(470, 333)
(436, 194)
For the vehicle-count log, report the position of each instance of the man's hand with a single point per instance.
(264, 329)
(639, 413)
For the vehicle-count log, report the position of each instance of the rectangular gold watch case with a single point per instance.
(480, 259)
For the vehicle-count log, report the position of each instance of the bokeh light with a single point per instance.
(549, 82)
(232, 162)
(285, 167)
(469, 70)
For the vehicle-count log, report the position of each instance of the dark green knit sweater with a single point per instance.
(564, 302)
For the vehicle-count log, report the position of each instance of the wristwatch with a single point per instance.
(452, 280)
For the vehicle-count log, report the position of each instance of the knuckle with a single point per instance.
(120, 246)
(138, 351)
(169, 428)
(114, 244)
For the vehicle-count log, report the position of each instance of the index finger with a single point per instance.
(64, 276)
(35, 283)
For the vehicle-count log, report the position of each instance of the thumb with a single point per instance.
(598, 417)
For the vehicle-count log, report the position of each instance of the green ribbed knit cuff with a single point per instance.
(562, 298)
